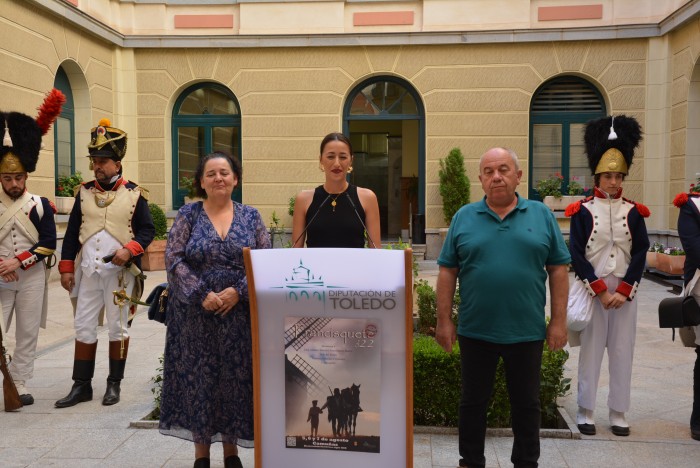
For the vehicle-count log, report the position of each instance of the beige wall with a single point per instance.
(33, 47)
(683, 112)
(475, 96)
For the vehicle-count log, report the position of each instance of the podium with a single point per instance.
(332, 357)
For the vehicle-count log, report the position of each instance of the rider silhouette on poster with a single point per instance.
(331, 360)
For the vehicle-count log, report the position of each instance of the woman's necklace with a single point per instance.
(334, 201)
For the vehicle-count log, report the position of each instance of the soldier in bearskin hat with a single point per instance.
(689, 233)
(27, 236)
(108, 230)
(608, 243)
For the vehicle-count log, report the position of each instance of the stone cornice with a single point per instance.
(83, 21)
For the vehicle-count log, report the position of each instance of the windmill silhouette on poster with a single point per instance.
(296, 336)
(318, 351)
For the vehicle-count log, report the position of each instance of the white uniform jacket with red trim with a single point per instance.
(15, 238)
(137, 223)
(594, 222)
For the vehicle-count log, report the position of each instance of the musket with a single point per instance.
(9, 390)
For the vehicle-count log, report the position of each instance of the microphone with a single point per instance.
(311, 220)
(360, 218)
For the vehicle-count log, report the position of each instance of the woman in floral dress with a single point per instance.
(207, 377)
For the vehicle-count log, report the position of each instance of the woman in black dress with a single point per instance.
(337, 213)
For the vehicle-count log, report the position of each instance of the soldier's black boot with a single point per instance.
(117, 362)
(83, 370)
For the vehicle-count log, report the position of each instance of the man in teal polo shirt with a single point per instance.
(502, 249)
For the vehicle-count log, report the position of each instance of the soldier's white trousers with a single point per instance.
(94, 293)
(615, 330)
(24, 305)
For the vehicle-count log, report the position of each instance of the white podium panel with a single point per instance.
(332, 357)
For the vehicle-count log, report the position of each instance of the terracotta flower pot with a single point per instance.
(651, 259)
(154, 257)
(671, 264)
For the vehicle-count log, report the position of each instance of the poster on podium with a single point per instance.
(332, 357)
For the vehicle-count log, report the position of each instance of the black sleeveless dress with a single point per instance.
(339, 228)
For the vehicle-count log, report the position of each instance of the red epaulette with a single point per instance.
(575, 207)
(643, 210)
(682, 198)
(53, 207)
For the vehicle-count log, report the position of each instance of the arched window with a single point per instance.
(206, 118)
(64, 129)
(559, 111)
(384, 119)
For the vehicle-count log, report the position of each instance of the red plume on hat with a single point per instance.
(50, 109)
(21, 142)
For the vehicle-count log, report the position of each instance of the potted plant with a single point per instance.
(575, 189)
(549, 190)
(66, 191)
(188, 184)
(671, 260)
(654, 249)
(154, 256)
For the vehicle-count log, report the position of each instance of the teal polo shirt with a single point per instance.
(501, 269)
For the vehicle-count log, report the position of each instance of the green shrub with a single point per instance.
(187, 183)
(436, 383)
(159, 221)
(437, 386)
(426, 301)
(290, 205)
(157, 389)
(401, 245)
(277, 230)
(454, 184)
(427, 307)
(552, 383)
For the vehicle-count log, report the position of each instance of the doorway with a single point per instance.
(384, 120)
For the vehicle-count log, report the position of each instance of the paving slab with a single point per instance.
(91, 435)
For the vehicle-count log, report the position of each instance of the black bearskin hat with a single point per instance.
(21, 140)
(25, 141)
(610, 143)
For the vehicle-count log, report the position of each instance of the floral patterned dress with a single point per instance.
(207, 375)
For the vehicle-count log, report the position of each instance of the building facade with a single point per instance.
(406, 80)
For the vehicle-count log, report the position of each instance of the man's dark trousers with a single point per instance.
(522, 362)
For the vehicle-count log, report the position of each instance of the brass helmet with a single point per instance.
(610, 143)
(107, 141)
(21, 140)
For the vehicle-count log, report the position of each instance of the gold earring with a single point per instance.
(349, 169)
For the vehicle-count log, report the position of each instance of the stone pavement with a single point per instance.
(91, 435)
